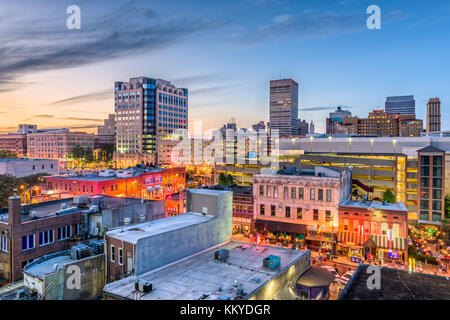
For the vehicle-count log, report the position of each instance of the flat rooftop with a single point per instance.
(397, 285)
(46, 267)
(152, 228)
(49, 208)
(375, 205)
(24, 160)
(200, 275)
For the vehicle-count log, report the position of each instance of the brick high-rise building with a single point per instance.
(380, 123)
(284, 106)
(146, 110)
(434, 115)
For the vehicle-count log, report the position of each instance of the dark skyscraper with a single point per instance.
(284, 106)
(400, 105)
(434, 115)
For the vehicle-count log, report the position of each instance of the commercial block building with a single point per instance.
(146, 109)
(135, 250)
(335, 121)
(30, 232)
(378, 229)
(57, 144)
(300, 204)
(200, 276)
(16, 143)
(19, 168)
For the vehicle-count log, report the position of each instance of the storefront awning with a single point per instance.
(348, 237)
(395, 244)
(275, 226)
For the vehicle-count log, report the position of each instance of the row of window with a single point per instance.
(372, 227)
(47, 237)
(3, 244)
(290, 212)
(291, 193)
(120, 255)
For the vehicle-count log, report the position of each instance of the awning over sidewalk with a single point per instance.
(354, 238)
(276, 226)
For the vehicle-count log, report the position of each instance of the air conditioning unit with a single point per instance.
(222, 255)
(80, 251)
(143, 286)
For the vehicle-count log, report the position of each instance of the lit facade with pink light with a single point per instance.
(300, 204)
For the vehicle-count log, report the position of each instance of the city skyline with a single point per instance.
(70, 82)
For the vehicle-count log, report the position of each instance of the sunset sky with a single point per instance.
(224, 52)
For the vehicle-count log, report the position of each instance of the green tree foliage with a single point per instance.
(230, 180)
(222, 178)
(108, 150)
(9, 183)
(7, 154)
(388, 196)
(447, 206)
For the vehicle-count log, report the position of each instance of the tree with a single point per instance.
(229, 180)
(77, 152)
(108, 150)
(447, 205)
(388, 196)
(222, 178)
(88, 155)
(7, 154)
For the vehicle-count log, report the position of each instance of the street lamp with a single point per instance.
(310, 145)
(371, 145)
(350, 144)
(293, 141)
(394, 142)
(329, 141)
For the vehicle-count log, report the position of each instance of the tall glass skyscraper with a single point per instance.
(400, 105)
(284, 106)
(146, 109)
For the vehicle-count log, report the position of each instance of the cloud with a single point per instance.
(98, 95)
(303, 26)
(207, 90)
(127, 30)
(49, 116)
(323, 108)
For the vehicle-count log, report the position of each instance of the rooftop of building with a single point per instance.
(48, 266)
(396, 285)
(318, 171)
(50, 208)
(133, 233)
(375, 205)
(24, 159)
(200, 276)
(430, 149)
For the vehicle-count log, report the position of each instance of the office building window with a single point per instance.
(262, 209)
(113, 254)
(46, 237)
(301, 192)
(299, 213)
(288, 212)
(120, 252)
(28, 242)
(328, 195)
(64, 232)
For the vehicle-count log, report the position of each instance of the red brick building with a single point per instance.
(27, 233)
(242, 209)
(379, 229)
(155, 184)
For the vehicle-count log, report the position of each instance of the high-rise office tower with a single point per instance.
(284, 106)
(146, 110)
(434, 115)
(400, 105)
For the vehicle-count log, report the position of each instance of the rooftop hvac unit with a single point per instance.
(272, 262)
(143, 286)
(80, 251)
(222, 255)
(20, 294)
(97, 246)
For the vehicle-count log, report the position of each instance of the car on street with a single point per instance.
(332, 270)
(345, 278)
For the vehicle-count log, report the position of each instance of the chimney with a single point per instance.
(14, 210)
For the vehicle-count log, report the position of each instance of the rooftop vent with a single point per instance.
(222, 255)
(34, 215)
(143, 286)
(126, 221)
(272, 262)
